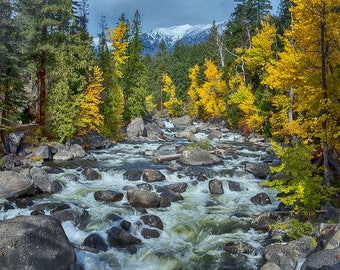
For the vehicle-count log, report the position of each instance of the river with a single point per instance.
(195, 229)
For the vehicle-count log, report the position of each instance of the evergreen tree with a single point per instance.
(11, 85)
(134, 82)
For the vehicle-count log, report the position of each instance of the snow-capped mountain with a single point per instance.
(186, 34)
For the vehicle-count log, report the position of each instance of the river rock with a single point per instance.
(327, 259)
(132, 175)
(152, 221)
(259, 170)
(7, 163)
(264, 221)
(171, 195)
(43, 151)
(260, 199)
(234, 186)
(198, 157)
(153, 131)
(179, 187)
(43, 181)
(181, 122)
(35, 242)
(286, 255)
(150, 233)
(216, 187)
(151, 175)
(63, 154)
(92, 141)
(108, 195)
(13, 142)
(77, 151)
(238, 247)
(143, 198)
(215, 134)
(90, 174)
(117, 237)
(77, 215)
(136, 128)
(94, 240)
(13, 185)
(167, 149)
(270, 266)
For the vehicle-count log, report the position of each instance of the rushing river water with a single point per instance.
(195, 229)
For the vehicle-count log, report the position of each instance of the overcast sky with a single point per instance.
(160, 13)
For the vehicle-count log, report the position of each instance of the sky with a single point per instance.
(160, 13)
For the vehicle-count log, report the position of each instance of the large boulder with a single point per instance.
(94, 240)
(117, 237)
(152, 221)
(327, 259)
(77, 151)
(259, 170)
(13, 142)
(260, 199)
(136, 128)
(151, 175)
(44, 182)
(43, 151)
(108, 195)
(198, 157)
(153, 131)
(286, 255)
(216, 187)
(181, 122)
(143, 198)
(35, 242)
(13, 185)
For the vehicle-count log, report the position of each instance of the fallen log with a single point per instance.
(85, 248)
(166, 158)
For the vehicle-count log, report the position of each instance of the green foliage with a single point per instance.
(201, 144)
(302, 184)
(295, 228)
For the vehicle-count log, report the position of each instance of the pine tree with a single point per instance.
(11, 85)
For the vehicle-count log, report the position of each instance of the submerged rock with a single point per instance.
(260, 199)
(108, 195)
(94, 240)
(35, 242)
(216, 187)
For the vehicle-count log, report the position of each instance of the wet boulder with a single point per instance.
(153, 131)
(150, 233)
(94, 240)
(77, 215)
(198, 157)
(171, 195)
(264, 221)
(7, 163)
(44, 182)
(132, 175)
(13, 142)
(63, 154)
(117, 237)
(238, 247)
(151, 175)
(108, 195)
(216, 187)
(234, 186)
(152, 221)
(260, 199)
(13, 185)
(35, 242)
(90, 174)
(179, 187)
(93, 140)
(259, 170)
(143, 198)
(215, 134)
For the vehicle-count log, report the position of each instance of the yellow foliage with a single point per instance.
(119, 46)
(150, 105)
(212, 94)
(173, 105)
(245, 100)
(193, 107)
(89, 101)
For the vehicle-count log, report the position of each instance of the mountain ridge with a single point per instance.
(186, 34)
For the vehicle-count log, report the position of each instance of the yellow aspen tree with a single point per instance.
(173, 105)
(90, 117)
(243, 97)
(193, 106)
(261, 52)
(212, 94)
